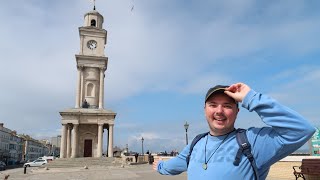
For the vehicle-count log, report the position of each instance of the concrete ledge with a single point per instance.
(137, 163)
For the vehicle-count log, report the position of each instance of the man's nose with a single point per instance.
(219, 108)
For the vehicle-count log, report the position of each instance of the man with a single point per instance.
(85, 104)
(213, 155)
(136, 155)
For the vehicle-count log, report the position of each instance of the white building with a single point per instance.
(83, 126)
(56, 141)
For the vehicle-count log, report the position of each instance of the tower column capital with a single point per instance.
(102, 69)
(80, 68)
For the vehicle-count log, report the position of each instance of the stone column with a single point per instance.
(78, 87)
(63, 141)
(100, 140)
(110, 144)
(68, 141)
(101, 90)
(75, 138)
(81, 88)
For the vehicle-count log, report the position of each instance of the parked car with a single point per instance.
(48, 158)
(38, 162)
(3, 166)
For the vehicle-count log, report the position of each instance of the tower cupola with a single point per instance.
(93, 19)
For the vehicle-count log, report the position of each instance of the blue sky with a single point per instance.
(163, 56)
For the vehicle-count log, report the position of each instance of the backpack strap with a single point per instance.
(245, 148)
(193, 143)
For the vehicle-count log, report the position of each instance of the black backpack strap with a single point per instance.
(245, 148)
(193, 143)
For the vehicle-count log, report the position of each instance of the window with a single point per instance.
(90, 88)
(11, 146)
(93, 22)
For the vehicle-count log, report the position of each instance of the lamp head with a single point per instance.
(186, 125)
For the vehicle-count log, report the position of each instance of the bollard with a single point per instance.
(25, 170)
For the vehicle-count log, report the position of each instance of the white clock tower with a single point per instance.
(83, 126)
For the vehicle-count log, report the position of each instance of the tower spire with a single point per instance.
(94, 4)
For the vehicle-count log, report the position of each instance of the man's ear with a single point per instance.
(204, 109)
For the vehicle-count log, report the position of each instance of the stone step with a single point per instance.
(81, 162)
(87, 159)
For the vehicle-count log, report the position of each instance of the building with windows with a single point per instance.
(32, 148)
(5, 134)
(10, 146)
(47, 149)
(15, 149)
(56, 142)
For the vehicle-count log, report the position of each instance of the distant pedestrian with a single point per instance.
(136, 156)
(172, 153)
(150, 158)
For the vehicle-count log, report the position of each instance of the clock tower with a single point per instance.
(83, 125)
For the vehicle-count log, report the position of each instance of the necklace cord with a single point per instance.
(205, 148)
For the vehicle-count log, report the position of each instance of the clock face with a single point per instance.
(92, 44)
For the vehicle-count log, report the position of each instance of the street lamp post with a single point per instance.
(142, 145)
(127, 149)
(186, 126)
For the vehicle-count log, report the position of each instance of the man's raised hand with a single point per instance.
(237, 91)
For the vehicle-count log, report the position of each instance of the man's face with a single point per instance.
(221, 113)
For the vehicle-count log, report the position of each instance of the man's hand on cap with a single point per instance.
(237, 91)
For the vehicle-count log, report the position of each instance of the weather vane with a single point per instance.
(132, 5)
(94, 4)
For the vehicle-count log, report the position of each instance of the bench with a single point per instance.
(309, 168)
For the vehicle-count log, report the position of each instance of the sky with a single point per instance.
(163, 57)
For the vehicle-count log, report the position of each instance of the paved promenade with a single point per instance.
(279, 171)
(141, 172)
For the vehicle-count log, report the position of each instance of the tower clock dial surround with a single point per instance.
(92, 44)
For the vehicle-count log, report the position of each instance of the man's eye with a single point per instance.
(228, 106)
